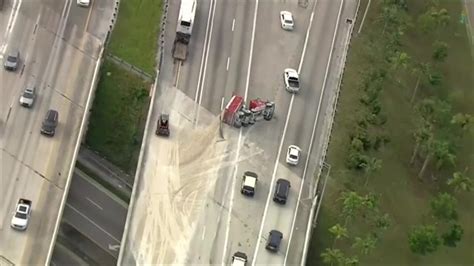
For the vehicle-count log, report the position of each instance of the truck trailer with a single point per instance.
(184, 29)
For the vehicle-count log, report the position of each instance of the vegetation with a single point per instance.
(118, 115)
(121, 101)
(135, 36)
(408, 149)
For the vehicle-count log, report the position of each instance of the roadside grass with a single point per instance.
(116, 124)
(402, 196)
(135, 35)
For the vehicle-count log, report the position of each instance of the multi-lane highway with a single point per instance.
(59, 45)
(187, 206)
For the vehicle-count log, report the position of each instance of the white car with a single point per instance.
(292, 80)
(84, 3)
(293, 155)
(28, 96)
(286, 19)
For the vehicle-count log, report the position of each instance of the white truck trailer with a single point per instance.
(184, 29)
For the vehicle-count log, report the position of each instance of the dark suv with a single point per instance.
(274, 240)
(281, 191)
(50, 122)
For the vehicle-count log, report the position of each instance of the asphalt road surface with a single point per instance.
(96, 213)
(59, 44)
(188, 207)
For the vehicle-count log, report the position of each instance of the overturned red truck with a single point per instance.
(237, 114)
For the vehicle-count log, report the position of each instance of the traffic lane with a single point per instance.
(322, 131)
(27, 247)
(227, 68)
(97, 204)
(313, 71)
(190, 69)
(278, 217)
(91, 230)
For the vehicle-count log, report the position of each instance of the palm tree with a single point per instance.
(339, 232)
(351, 203)
(464, 120)
(399, 61)
(366, 244)
(422, 72)
(332, 256)
(438, 149)
(460, 182)
(372, 166)
(422, 134)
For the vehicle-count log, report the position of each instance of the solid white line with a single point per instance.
(306, 39)
(233, 24)
(203, 233)
(251, 50)
(363, 18)
(314, 129)
(203, 52)
(11, 23)
(92, 222)
(73, 161)
(231, 201)
(228, 61)
(94, 203)
(207, 55)
(222, 103)
(254, 260)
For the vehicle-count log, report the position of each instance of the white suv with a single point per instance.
(293, 155)
(249, 182)
(286, 19)
(292, 80)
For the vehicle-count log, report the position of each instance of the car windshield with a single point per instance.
(292, 156)
(11, 58)
(28, 94)
(293, 82)
(20, 215)
(288, 21)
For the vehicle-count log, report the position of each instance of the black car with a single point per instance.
(274, 240)
(50, 122)
(281, 191)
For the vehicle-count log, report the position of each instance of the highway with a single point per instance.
(187, 207)
(59, 44)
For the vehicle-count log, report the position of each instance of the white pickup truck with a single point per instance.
(22, 214)
(239, 259)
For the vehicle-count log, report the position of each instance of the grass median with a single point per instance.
(405, 198)
(118, 114)
(135, 35)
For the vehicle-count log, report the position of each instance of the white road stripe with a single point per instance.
(228, 61)
(314, 129)
(92, 222)
(233, 24)
(203, 233)
(94, 203)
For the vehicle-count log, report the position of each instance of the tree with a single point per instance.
(422, 71)
(332, 256)
(399, 61)
(351, 204)
(440, 51)
(434, 20)
(435, 111)
(460, 181)
(453, 236)
(423, 239)
(443, 207)
(422, 134)
(365, 245)
(338, 231)
(463, 120)
(370, 167)
(438, 149)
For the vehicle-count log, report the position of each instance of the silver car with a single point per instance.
(12, 61)
(28, 97)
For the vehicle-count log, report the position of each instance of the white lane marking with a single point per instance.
(222, 103)
(306, 40)
(231, 201)
(203, 233)
(363, 18)
(92, 222)
(94, 203)
(37, 22)
(233, 24)
(228, 61)
(207, 54)
(254, 260)
(203, 52)
(11, 23)
(314, 129)
(234, 177)
(251, 50)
